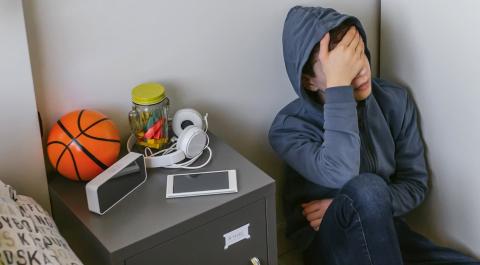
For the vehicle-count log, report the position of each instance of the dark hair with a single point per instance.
(336, 35)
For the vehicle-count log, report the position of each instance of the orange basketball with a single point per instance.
(82, 144)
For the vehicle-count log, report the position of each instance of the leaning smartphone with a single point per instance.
(116, 182)
(201, 183)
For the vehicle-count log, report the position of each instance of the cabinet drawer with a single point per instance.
(206, 244)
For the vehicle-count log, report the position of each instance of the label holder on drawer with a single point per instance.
(236, 236)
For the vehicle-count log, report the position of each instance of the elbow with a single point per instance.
(332, 173)
(423, 191)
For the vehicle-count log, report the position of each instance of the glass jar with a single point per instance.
(149, 115)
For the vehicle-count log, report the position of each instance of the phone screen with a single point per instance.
(200, 182)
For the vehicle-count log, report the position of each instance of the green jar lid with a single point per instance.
(148, 94)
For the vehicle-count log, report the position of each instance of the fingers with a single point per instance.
(314, 211)
(316, 224)
(360, 58)
(309, 203)
(311, 207)
(348, 37)
(360, 49)
(323, 53)
(341, 64)
(314, 216)
(358, 53)
(316, 205)
(355, 42)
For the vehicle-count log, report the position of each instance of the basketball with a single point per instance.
(82, 144)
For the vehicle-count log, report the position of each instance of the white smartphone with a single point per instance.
(201, 183)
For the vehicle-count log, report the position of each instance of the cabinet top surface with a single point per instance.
(146, 211)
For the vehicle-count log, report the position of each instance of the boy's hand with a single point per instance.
(315, 210)
(342, 64)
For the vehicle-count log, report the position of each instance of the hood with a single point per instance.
(304, 28)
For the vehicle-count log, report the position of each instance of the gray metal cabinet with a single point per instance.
(147, 229)
(206, 244)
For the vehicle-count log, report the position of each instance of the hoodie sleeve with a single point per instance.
(330, 156)
(408, 186)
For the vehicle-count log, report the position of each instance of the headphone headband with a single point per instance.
(164, 160)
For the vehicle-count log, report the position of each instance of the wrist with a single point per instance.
(335, 83)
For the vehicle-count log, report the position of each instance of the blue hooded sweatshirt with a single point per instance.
(326, 145)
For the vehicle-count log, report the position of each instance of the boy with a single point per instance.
(354, 147)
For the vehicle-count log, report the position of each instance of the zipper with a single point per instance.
(368, 142)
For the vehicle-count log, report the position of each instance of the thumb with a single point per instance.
(323, 53)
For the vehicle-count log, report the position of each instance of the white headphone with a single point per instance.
(188, 125)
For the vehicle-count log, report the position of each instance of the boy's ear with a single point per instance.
(307, 82)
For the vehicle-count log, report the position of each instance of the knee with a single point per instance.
(369, 194)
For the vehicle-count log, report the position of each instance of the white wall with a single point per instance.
(21, 155)
(221, 57)
(432, 47)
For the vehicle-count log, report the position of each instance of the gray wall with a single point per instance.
(21, 155)
(432, 47)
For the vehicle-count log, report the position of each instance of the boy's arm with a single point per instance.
(328, 157)
(408, 186)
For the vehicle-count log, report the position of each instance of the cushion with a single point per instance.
(28, 234)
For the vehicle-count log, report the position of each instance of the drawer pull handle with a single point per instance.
(255, 261)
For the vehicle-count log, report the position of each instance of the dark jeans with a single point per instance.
(358, 228)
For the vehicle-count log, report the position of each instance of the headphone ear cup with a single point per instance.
(192, 141)
(184, 118)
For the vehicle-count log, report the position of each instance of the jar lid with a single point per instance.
(148, 93)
